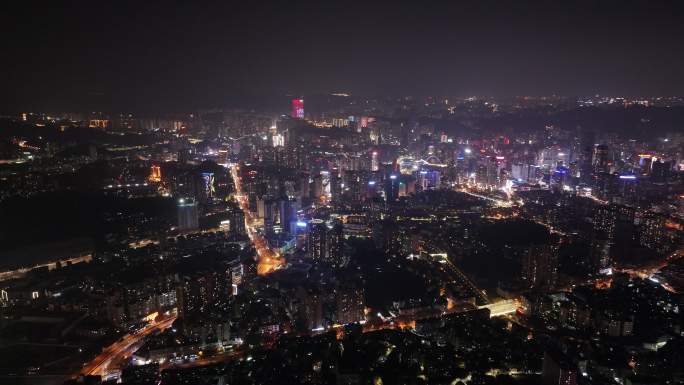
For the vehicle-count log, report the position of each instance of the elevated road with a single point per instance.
(114, 357)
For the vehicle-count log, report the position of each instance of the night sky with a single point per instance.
(151, 55)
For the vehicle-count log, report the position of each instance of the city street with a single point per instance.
(268, 259)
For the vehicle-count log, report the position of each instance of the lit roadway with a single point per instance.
(499, 202)
(509, 203)
(400, 322)
(443, 260)
(115, 355)
(204, 360)
(269, 260)
(648, 271)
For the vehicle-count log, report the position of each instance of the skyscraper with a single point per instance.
(188, 218)
(209, 189)
(652, 231)
(287, 213)
(325, 243)
(616, 222)
(540, 266)
(155, 174)
(297, 108)
(599, 256)
(349, 304)
(237, 222)
(558, 369)
(334, 245)
(602, 162)
(316, 240)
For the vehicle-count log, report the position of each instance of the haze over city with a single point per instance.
(134, 56)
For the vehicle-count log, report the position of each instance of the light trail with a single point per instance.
(499, 202)
(269, 260)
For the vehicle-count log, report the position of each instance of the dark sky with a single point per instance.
(156, 55)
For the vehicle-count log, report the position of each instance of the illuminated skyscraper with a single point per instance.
(614, 221)
(602, 162)
(316, 240)
(600, 260)
(278, 140)
(429, 179)
(209, 189)
(375, 162)
(325, 185)
(392, 187)
(340, 122)
(155, 174)
(297, 108)
(188, 218)
(652, 231)
(558, 369)
(539, 266)
(237, 222)
(287, 214)
(223, 156)
(349, 304)
(335, 245)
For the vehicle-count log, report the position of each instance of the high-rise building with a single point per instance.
(375, 162)
(183, 156)
(316, 240)
(558, 369)
(336, 187)
(237, 273)
(317, 190)
(325, 185)
(237, 222)
(601, 159)
(287, 213)
(335, 245)
(645, 163)
(223, 156)
(209, 187)
(349, 304)
(325, 242)
(297, 108)
(600, 259)
(540, 266)
(187, 301)
(660, 171)
(652, 231)
(522, 172)
(309, 311)
(586, 144)
(155, 174)
(614, 220)
(278, 140)
(392, 188)
(429, 179)
(188, 216)
(340, 122)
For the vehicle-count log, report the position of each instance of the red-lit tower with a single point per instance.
(298, 108)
